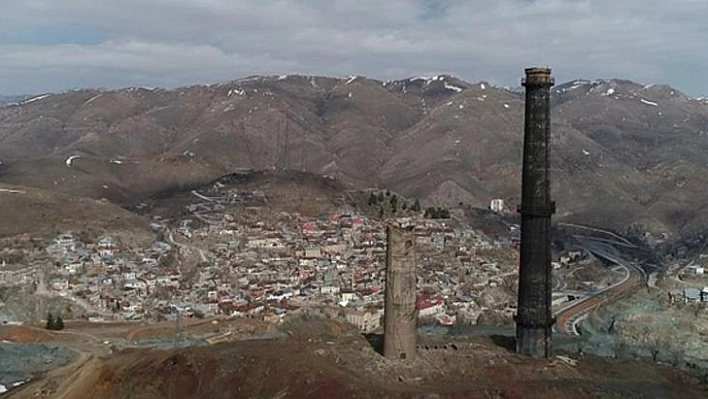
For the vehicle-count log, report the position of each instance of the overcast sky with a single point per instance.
(55, 45)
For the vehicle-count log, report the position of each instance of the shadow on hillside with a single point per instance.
(376, 341)
(504, 341)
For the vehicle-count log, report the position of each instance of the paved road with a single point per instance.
(596, 230)
(568, 318)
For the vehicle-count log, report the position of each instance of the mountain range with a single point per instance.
(623, 154)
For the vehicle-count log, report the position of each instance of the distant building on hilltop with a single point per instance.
(497, 205)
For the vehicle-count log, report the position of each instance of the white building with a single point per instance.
(66, 242)
(329, 289)
(349, 296)
(691, 295)
(497, 205)
(59, 284)
(430, 308)
(271, 243)
(365, 320)
(695, 269)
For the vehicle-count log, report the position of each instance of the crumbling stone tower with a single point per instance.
(400, 315)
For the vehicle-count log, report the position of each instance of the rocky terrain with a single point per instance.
(623, 153)
(654, 323)
(316, 357)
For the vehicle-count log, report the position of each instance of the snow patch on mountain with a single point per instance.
(647, 102)
(70, 160)
(453, 88)
(428, 79)
(34, 99)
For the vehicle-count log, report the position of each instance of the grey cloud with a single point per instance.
(179, 42)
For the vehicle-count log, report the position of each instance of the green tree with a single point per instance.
(50, 321)
(54, 323)
(372, 199)
(416, 206)
(59, 323)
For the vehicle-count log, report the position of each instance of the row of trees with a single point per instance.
(394, 201)
(437, 213)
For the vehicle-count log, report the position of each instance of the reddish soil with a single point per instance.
(22, 334)
(289, 369)
(166, 330)
(326, 359)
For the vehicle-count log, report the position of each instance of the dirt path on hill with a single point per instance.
(67, 382)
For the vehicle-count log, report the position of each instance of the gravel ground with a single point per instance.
(645, 325)
(20, 362)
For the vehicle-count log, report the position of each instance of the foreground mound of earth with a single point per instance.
(321, 358)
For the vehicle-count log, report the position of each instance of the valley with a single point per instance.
(167, 227)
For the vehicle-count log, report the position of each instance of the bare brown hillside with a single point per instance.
(623, 153)
(44, 213)
(323, 358)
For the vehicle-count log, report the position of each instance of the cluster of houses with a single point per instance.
(694, 294)
(263, 267)
(17, 274)
(110, 280)
(337, 262)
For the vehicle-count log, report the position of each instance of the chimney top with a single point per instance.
(536, 76)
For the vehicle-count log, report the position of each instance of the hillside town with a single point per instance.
(228, 254)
